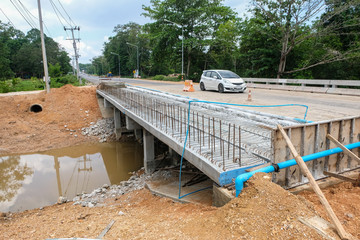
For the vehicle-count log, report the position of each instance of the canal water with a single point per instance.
(35, 180)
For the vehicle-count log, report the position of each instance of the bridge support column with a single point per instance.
(131, 124)
(107, 104)
(149, 152)
(117, 121)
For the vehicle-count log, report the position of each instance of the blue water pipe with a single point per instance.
(239, 181)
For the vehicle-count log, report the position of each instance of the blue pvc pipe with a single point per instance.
(239, 182)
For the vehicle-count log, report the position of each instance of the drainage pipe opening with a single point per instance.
(35, 108)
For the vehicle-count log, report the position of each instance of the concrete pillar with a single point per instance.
(149, 152)
(174, 157)
(117, 121)
(221, 196)
(131, 124)
(107, 104)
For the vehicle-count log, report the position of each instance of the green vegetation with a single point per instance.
(288, 39)
(17, 84)
(21, 61)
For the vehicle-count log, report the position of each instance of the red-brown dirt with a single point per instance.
(64, 109)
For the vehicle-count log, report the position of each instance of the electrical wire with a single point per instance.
(22, 14)
(8, 18)
(32, 16)
(66, 13)
(55, 7)
(28, 13)
(57, 15)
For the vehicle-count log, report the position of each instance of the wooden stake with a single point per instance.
(338, 176)
(304, 169)
(346, 151)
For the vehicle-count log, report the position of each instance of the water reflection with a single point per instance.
(12, 174)
(34, 180)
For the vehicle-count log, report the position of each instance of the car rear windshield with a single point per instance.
(228, 74)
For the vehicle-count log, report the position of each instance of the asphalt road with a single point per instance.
(321, 106)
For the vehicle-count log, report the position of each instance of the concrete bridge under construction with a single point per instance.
(223, 140)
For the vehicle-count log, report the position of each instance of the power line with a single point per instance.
(66, 13)
(28, 13)
(32, 16)
(22, 14)
(57, 15)
(55, 7)
(7, 18)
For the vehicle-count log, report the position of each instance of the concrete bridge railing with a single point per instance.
(341, 87)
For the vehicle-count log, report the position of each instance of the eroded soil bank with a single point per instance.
(263, 211)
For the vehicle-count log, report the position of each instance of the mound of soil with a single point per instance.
(263, 211)
(64, 112)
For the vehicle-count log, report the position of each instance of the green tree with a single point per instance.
(199, 19)
(5, 50)
(291, 20)
(128, 33)
(54, 70)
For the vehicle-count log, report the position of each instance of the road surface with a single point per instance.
(321, 106)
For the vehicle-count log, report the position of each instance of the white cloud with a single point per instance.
(96, 19)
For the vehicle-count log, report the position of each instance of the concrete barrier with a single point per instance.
(340, 87)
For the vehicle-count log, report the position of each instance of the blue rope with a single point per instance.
(220, 103)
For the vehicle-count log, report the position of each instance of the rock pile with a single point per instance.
(97, 197)
(103, 128)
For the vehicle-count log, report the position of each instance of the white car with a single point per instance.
(222, 81)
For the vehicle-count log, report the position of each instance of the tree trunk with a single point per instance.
(285, 44)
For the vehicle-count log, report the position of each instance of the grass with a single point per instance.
(18, 84)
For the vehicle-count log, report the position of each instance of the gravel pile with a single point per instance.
(104, 129)
(97, 196)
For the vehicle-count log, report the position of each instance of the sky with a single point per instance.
(95, 18)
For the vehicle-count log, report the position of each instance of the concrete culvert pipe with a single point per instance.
(36, 108)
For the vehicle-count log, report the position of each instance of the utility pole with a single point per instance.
(119, 61)
(46, 72)
(75, 50)
(137, 57)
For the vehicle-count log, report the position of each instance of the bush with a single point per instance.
(158, 77)
(4, 87)
(61, 81)
(18, 84)
(173, 79)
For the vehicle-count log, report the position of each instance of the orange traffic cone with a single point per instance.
(249, 96)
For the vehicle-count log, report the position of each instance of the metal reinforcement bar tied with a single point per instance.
(239, 182)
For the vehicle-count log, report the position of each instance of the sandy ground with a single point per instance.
(65, 112)
(263, 211)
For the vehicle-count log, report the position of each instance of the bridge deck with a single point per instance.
(222, 141)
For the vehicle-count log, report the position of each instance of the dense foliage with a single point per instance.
(21, 54)
(291, 39)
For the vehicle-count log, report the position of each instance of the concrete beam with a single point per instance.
(131, 124)
(149, 152)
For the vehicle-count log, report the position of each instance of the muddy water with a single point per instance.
(38, 179)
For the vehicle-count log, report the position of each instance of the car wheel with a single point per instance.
(202, 86)
(221, 88)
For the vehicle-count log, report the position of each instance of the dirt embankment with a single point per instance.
(64, 112)
(263, 211)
